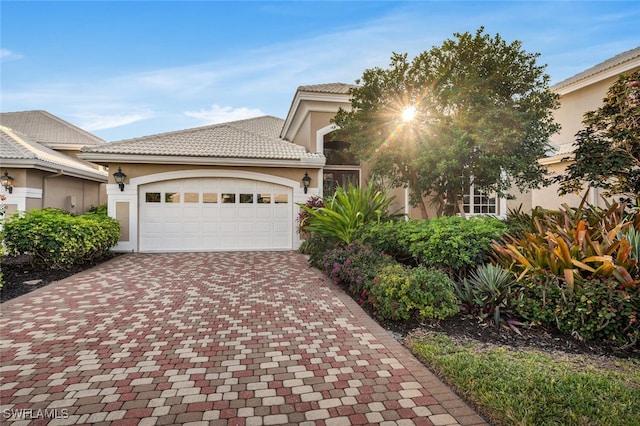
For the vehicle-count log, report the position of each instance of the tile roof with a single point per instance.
(334, 88)
(255, 138)
(47, 129)
(623, 57)
(17, 148)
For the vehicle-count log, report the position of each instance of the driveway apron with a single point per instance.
(251, 338)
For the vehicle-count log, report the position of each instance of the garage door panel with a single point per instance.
(189, 215)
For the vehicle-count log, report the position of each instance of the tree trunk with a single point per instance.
(423, 209)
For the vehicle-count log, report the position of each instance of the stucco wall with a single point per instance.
(137, 170)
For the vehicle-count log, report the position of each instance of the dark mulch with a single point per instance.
(17, 271)
(21, 278)
(551, 341)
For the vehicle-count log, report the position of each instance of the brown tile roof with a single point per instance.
(335, 88)
(255, 138)
(48, 130)
(19, 150)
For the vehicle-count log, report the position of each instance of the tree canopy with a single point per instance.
(607, 153)
(476, 111)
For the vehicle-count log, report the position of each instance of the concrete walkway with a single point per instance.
(253, 338)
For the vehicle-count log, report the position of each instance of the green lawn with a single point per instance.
(512, 387)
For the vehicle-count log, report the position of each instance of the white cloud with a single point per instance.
(219, 114)
(96, 121)
(8, 55)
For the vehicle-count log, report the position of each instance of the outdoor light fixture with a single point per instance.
(306, 181)
(119, 178)
(7, 182)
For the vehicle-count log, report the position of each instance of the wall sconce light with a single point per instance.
(306, 181)
(7, 182)
(119, 178)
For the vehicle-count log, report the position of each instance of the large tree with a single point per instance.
(475, 110)
(607, 153)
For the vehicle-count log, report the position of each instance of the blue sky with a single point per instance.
(134, 68)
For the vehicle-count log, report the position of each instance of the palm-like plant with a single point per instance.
(577, 244)
(347, 210)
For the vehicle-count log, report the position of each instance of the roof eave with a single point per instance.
(302, 96)
(555, 159)
(573, 83)
(45, 166)
(316, 162)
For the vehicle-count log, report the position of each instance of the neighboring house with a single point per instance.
(39, 151)
(230, 186)
(579, 94)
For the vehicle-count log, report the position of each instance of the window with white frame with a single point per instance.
(480, 202)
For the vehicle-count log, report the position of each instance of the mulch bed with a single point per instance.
(20, 278)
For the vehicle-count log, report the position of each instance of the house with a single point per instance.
(235, 186)
(40, 166)
(579, 94)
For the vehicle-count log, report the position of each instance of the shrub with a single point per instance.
(599, 309)
(399, 292)
(354, 267)
(346, 211)
(56, 239)
(314, 203)
(579, 242)
(487, 292)
(454, 244)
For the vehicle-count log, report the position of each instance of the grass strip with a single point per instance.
(512, 387)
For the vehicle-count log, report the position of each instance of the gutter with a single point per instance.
(315, 162)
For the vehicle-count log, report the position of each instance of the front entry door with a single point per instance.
(339, 178)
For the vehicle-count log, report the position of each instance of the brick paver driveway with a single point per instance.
(208, 338)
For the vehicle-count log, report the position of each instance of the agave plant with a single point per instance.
(580, 243)
(485, 294)
(347, 210)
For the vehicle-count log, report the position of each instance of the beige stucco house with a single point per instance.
(235, 186)
(39, 152)
(579, 94)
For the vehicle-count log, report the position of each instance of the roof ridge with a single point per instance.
(193, 129)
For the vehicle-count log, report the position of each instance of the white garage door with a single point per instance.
(207, 214)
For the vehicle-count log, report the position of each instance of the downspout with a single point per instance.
(44, 185)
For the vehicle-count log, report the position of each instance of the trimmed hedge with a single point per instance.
(454, 244)
(56, 239)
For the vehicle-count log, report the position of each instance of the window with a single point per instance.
(152, 197)
(264, 198)
(479, 202)
(191, 197)
(172, 197)
(339, 178)
(281, 198)
(209, 197)
(228, 198)
(337, 152)
(246, 198)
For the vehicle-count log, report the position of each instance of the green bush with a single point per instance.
(56, 239)
(399, 292)
(600, 308)
(454, 244)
